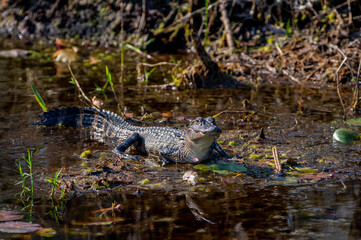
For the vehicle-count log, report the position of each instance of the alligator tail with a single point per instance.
(73, 117)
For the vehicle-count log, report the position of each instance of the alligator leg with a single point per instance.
(164, 159)
(123, 146)
(219, 150)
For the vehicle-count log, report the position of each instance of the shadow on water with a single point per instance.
(221, 206)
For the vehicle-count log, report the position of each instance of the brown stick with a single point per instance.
(349, 12)
(277, 160)
(88, 101)
(227, 24)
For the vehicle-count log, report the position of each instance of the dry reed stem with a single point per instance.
(277, 160)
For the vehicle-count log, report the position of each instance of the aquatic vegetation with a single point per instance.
(222, 168)
(55, 185)
(27, 192)
(85, 154)
(344, 135)
(39, 99)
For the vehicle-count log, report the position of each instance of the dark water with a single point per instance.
(222, 207)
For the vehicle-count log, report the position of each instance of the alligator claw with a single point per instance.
(125, 156)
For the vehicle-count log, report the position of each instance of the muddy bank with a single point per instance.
(247, 43)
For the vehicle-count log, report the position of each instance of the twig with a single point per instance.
(338, 78)
(186, 18)
(227, 25)
(279, 49)
(223, 112)
(338, 87)
(349, 12)
(346, 58)
(314, 71)
(277, 160)
(88, 101)
(356, 97)
(285, 72)
(158, 64)
(142, 22)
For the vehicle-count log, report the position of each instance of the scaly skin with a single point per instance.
(193, 145)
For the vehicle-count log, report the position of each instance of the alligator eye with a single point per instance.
(211, 119)
(197, 121)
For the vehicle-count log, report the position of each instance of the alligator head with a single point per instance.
(201, 134)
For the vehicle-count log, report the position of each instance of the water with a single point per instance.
(251, 206)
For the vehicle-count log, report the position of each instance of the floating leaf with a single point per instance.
(354, 122)
(145, 181)
(19, 227)
(46, 232)
(228, 167)
(86, 154)
(221, 172)
(307, 170)
(107, 221)
(202, 167)
(256, 156)
(10, 215)
(344, 135)
(287, 181)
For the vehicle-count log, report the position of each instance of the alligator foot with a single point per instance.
(126, 156)
(120, 149)
(220, 150)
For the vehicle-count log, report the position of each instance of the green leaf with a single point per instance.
(131, 47)
(202, 167)
(109, 76)
(228, 167)
(222, 172)
(354, 122)
(86, 154)
(148, 42)
(39, 99)
(344, 135)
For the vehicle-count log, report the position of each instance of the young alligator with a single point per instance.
(193, 145)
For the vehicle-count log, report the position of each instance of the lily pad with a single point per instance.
(10, 215)
(345, 135)
(19, 227)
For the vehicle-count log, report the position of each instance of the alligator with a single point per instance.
(193, 145)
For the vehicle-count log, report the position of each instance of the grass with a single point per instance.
(55, 184)
(27, 193)
(39, 99)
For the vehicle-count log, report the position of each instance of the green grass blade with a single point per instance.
(39, 99)
(131, 47)
(109, 76)
(148, 42)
